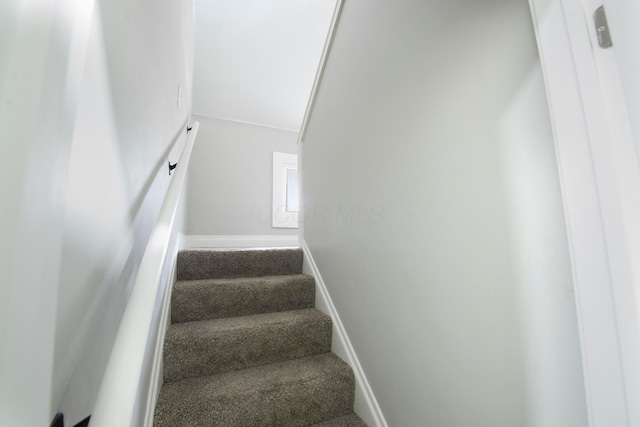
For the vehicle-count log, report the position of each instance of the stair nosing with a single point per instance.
(304, 376)
(207, 347)
(206, 378)
(319, 317)
(273, 277)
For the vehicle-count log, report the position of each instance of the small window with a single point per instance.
(292, 190)
(286, 202)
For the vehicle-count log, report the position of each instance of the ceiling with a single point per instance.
(255, 60)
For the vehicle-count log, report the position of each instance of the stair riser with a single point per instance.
(201, 354)
(203, 301)
(203, 264)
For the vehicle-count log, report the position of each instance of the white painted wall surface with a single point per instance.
(230, 180)
(439, 231)
(255, 61)
(84, 185)
(623, 17)
(42, 45)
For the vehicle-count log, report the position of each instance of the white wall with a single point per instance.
(37, 103)
(623, 17)
(439, 230)
(255, 61)
(230, 178)
(125, 63)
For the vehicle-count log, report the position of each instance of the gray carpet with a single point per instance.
(351, 420)
(247, 348)
(196, 349)
(210, 299)
(218, 264)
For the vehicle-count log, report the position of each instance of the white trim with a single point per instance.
(157, 373)
(592, 202)
(366, 405)
(128, 383)
(242, 122)
(616, 162)
(182, 240)
(335, 20)
(267, 241)
(321, 66)
(300, 193)
(282, 163)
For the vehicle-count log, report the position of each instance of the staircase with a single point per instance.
(247, 348)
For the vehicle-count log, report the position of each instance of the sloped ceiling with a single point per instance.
(255, 60)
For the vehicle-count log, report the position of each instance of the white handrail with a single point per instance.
(119, 391)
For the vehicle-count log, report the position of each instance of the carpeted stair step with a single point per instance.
(196, 349)
(297, 392)
(215, 298)
(351, 420)
(197, 264)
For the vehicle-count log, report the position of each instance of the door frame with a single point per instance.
(600, 182)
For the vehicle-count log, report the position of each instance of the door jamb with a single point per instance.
(600, 183)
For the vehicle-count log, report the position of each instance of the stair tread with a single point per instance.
(210, 264)
(206, 347)
(217, 298)
(250, 280)
(296, 393)
(350, 420)
(212, 326)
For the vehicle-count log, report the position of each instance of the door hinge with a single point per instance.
(602, 28)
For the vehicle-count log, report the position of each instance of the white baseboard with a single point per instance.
(275, 241)
(157, 372)
(182, 240)
(366, 405)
